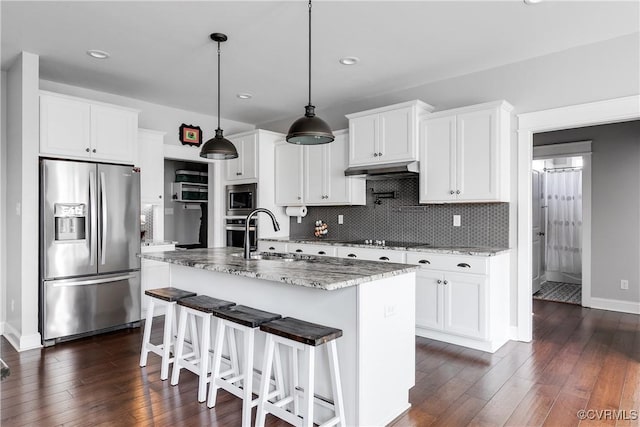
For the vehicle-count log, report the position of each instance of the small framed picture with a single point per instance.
(190, 135)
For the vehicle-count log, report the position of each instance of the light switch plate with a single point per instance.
(456, 220)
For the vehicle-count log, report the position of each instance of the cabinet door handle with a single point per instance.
(160, 196)
(384, 258)
(445, 283)
(299, 198)
(322, 253)
(352, 256)
(457, 191)
(87, 150)
(464, 265)
(238, 173)
(424, 261)
(271, 248)
(375, 154)
(379, 154)
(451, 192)
(438, 281)
(94, 150)
(298, 250)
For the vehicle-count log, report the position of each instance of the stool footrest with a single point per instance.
(320, 400)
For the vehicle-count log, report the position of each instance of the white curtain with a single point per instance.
(564, 222)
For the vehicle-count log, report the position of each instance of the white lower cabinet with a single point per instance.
(462, 308)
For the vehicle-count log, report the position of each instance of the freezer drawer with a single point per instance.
(84, 305)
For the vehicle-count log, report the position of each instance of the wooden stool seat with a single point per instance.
(236, 381)
(300, 331)
(246, 316)
(169, 294)
(304, 337)
(204, 303)
(166, 297)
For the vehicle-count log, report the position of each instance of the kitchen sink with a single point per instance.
(268, 256)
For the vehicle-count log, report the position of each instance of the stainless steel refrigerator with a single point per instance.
(89, 241)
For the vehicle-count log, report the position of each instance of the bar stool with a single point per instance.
(166, 297)
(201, 306)
(300, 336)
(246, 320)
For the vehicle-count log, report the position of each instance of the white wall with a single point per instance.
(21, 327)
(3, 197)
(615, 205)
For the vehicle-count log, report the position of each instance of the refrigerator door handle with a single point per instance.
(75, 282)
(93, 209)
(103, 207)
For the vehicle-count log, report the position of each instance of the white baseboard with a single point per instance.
(615, 305)
(21, 342)
(476, 344)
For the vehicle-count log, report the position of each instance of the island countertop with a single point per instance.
(325, 273)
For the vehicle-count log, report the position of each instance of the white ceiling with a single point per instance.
(161, 51)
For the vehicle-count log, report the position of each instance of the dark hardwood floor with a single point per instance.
(579, 359)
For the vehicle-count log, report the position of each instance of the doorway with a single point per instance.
(557, 227)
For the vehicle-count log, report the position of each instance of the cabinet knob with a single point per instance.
(94, 150)
(379, 154)
(445, 282)
(160, 196)
(451, 192)
(352, 256)
(299, 198)
(87, 150)
(375, 154)
(457, 191)
(438, 281)
(238, 173)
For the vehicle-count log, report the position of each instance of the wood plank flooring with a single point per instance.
(579, 359)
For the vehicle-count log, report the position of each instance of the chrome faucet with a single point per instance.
(247, 241)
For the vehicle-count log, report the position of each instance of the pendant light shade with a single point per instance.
(219, 147)
(310, 129)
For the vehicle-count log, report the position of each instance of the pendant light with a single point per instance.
(310, 129)
(218, 147)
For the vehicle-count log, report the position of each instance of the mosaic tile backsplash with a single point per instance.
(403, 220)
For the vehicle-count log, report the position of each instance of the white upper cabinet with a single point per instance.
(385, 135)
(77, 128)
(151, 163)
(288, 170)
(318, 179)
(324, 179)
(245, 166)
(464, 154)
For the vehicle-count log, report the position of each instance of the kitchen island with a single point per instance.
(372, 302)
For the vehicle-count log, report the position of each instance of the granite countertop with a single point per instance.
(455, 250)
(326, 273)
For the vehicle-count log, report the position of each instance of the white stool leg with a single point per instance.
(294, 380)
(166, 341)
(278, 377)
(247, 395)
(336, 383)
(193, 334)
(182, 324)
(204, 358)
(233, 351)
(307, 402)
(261, 414)
(217, 360)
(146, 337)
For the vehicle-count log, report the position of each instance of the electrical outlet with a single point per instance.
(624, 284)
(456, 221)
(340, 219)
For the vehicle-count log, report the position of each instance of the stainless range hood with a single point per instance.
(389, 170)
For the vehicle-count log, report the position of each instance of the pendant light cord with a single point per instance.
(218, 85)
(309, 52)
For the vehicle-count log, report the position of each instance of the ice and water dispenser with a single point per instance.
(70, 221)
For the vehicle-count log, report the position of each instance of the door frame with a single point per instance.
(577, 149)
(574, 116)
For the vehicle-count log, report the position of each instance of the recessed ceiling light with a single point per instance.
(349, 60)
(244, 95)
(98, 54)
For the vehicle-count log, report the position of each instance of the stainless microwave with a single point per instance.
(241, 199)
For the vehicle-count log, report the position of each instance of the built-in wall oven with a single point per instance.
(241, 200)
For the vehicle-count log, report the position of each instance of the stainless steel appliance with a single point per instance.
(241, 199)
(89, 241)
(235, 228)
